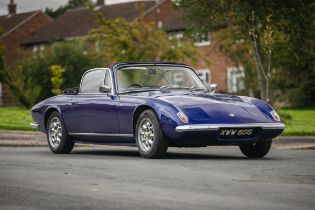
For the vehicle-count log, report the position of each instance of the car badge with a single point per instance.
(231, 115)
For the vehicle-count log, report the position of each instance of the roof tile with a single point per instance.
(78, 22)
(8, 22)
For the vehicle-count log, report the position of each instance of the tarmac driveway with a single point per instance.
(106, 177)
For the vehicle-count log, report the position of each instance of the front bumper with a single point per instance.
(34, 125)
(208, 134)
(214, 127)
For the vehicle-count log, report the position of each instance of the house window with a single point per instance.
(41, 50)
(97, 45)
(202, 39)
(178, 35)
(160, 24)
(38, 51)
(35, 51)
(178, 77)
(235, 77)
(204, 75)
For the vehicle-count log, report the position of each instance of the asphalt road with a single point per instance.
(117, 178)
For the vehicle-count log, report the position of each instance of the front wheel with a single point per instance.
(256, 150)
(58, 140)
(151, 141)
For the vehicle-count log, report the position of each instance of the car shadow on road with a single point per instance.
(169, 155)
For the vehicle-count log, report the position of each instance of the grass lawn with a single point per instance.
(299, 122)
(15, 118)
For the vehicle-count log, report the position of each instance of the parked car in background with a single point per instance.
(154, 105)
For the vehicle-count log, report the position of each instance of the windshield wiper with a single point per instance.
(194, 88)
(166, 88)
(170, 87)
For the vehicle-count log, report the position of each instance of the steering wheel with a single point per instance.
(135, 85)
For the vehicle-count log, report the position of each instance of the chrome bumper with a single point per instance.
(213, 127)
(34, 125)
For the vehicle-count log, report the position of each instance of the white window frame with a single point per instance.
(35, 51)
(232, 86)
(41, 50)
(178, 77)
(160, 24)
(203, 42)
(97, 45)
(179, 36)
(203, 75)
(176, 36)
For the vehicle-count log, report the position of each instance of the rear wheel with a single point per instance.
(256, 150)
(150, 139)
(58, 140)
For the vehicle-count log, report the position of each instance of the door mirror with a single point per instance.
(104, 89)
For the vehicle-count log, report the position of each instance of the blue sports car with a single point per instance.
(154, 105)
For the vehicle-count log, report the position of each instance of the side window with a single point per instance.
(108, 81)
(92, 81)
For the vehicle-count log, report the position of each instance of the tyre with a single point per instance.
(150, 139)
(256, 150)
(58, 140)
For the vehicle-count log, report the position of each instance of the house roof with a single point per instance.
(10, 22)
(78, 22)
(174, 22)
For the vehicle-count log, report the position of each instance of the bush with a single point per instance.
(35, 76)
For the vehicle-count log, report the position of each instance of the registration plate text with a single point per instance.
(236, 132)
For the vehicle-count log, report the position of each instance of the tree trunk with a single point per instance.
(14, 89)
(17, 93)
(260, 77)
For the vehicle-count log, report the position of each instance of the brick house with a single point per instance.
(16, 28)
(220, 70)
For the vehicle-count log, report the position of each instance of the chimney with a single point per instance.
(12, 8)
(100, 2)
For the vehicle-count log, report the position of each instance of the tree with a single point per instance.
(119, 40)
(56, 79)
(31, 81)
(295, 53)
(9, 80)
(263, 26)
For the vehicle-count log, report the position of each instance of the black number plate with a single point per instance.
(237, 133)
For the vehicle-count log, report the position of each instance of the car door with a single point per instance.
(94, 113)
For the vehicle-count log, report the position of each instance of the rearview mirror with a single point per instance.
(71, 91)
(104, 89)
(213, 88)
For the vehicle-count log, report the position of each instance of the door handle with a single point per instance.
(73, 102)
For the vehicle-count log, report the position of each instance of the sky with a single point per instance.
(30, 5)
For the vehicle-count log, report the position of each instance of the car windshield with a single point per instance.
(139, 78)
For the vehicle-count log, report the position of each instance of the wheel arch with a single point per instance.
(137, 113)
(48, 112)
(165, 112)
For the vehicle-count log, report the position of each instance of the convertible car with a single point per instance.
(154, 105)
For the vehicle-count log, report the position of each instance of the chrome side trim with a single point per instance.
(101, 134)
(34, 125)
(210, 127)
